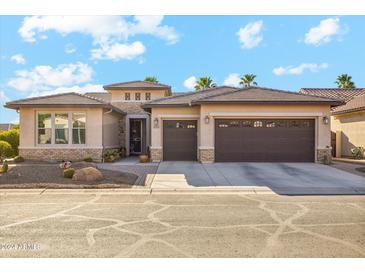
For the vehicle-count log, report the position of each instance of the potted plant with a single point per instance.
(143, 158)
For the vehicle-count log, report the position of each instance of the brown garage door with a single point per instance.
(180, 140)
(264, 140)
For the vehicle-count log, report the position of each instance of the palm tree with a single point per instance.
(151, 79)
(248, 79)
(344, 81)
(204, 83)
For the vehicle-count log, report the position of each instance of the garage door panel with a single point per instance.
(264, 140)
(180, 140)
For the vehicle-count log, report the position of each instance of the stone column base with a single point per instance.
(51, 154)
(324, 156)
(156, 154)
(206, 155)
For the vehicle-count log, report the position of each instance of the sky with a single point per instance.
(42, 55)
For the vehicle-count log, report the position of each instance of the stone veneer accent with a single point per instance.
(156, 154)
(206, 155)
(324, 155)
(73, 154)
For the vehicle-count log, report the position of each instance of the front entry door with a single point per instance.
(135, 141)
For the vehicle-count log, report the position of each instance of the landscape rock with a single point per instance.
(87, 174)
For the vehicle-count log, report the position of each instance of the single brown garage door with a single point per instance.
(180, 140)
(264, 140)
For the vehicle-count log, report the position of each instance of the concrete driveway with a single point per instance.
(282, 178)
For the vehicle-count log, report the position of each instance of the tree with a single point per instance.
(204, 83)
(344, 81)
(248, 79)
(151, 79)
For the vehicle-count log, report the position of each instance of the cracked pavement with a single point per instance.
(99, 224)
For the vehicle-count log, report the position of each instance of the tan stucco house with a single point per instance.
(347, 120)
(222, 124)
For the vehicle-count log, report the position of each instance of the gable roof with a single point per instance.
(70, 99)
(186, 98)
(143, 85)
(257, 95)
(344, 94)
(355, 104)
(264, 95)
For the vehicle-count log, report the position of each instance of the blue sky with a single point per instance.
(45, 55)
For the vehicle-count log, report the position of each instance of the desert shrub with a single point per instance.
(358, 152)
(5, 167)
(88, 159)
(68, 172)
(12, 137)
(18, 159)
(5, 150)
(111, 155)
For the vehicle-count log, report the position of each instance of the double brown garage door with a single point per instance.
(264, 140)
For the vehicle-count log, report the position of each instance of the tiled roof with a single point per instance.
(231, 95)
(130, 107)
(356, 104)
(263, 95)
(187, 97)
(344, 94)
(137, 85)
(61, 100)
(6, 126)
(105, 96)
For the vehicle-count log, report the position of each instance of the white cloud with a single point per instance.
(118, 51)
(3, 97)
(324, 32)
(250, 36)
(18, 58)
(190, 82)
(69, 48)
(299, 69)
(76, 88)
(47, 77)
(232, 80)
(109, 33)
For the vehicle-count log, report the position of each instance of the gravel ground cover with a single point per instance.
(50, 175)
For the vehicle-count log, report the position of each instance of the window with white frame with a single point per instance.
(78, 128)
(61, 128)
(44, 128)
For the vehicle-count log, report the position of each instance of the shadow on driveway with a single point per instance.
(282, 178)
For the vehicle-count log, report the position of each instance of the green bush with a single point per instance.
(18, 159)
(5, 150)
(88, 159)
(111, 155)
(5, 167)
(12, 137)
(68, 172)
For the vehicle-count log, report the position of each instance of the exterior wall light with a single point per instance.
(207, 119)
(155, 122)
(326, 120)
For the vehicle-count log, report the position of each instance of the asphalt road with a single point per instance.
(94, 224)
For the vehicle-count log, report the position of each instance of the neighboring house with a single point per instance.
(215, 125)
(254, 124)
(74, 126)
(348, 120)
(6, 126)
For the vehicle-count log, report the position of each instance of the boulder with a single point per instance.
(87, 174)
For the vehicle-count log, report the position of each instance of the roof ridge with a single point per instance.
(41, 97)
(334, 88)
(128, 82)
(93, 98)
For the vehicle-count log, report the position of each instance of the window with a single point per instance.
(44, 128)
(257, 124)
(148, 96)
(61, 128)
(127, 96)
(246, 123)
(137, 96)
(78, 128)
